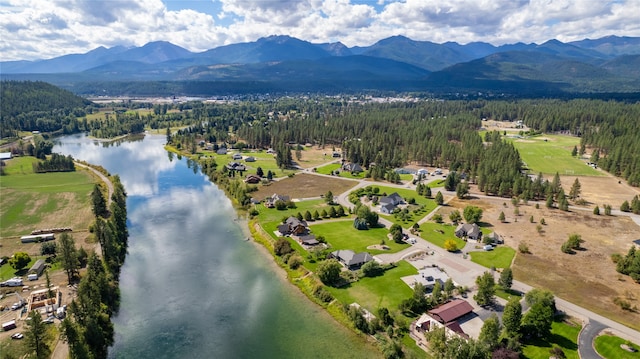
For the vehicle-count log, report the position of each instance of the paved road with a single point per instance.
(585, 340)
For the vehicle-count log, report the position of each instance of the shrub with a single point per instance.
(523, 248)
(295, 261)
(322, 294)
(450, 245)
(282, 247)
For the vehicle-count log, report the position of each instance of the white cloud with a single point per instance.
(31, 29)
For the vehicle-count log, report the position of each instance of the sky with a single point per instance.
(41, 29)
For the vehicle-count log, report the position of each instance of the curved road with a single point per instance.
(585, 340)
(595, 322)
(103, 178)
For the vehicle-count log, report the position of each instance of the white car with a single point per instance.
(17, 336)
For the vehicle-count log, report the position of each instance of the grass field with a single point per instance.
(608, 346)
(342, 235)
(563, 334)
(387, 290)
(330, 168)
(438, 233)
(272, 214)
(499, 257)
(42, 200)
(415, 212)
(553, 155)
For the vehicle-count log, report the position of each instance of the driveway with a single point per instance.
(585, 340)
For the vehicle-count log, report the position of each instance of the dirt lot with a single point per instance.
(304, 186)
(587, 278)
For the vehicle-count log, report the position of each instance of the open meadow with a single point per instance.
(42, 200)
(552, 153)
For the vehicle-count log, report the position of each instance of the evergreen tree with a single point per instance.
(99, 205)
(36, 336)
(506, 278)
(512, 317)
(439, 198)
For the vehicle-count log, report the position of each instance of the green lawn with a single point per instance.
(499, 257)
(438, 233)
(272, 214)
(553, 155)
(31, 199)
(7, 271)
(422, 207)
(387, 290)
(328, 169)
(608, 346)
(342, 235)
(507, 294)
(562, 334)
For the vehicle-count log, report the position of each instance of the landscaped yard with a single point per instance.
(499, 257)
(272, 214)
(608, 346)
(342, 235)
(330, 168)
(553, 155)
(563, 334)
(417, 211)
(387, 290)
(438, 233)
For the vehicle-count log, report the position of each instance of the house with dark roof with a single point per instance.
(387, 208)
(449, 315)
(350, 259)
(235, 166)
(352, 167)
(390, 202)
(253, 179)
(308, 240)
(469, 230)
(293, 226)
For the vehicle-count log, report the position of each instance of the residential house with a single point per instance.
(252, 179)
(293, 226)
(422, 171)
(429, 276)
(270, 202)
(387, 208)
(308, 240)
(388, 203)
(495, 238)
(449, 316)
(350, 259)
(469, 230)
(235, 166)
(352, 167)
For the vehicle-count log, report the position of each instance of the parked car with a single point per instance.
(17, 336)
(49, 320)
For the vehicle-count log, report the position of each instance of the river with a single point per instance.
(192, 286)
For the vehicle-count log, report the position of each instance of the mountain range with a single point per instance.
(609, 64)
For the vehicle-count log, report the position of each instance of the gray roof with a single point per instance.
(350, 258)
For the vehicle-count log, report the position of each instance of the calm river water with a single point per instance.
(192, 286)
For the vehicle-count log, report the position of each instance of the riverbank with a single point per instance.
(300, 278)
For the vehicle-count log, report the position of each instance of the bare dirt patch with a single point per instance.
(588, 277)
(602, 190)
(315, 156)
(304, 186)
(493, 125)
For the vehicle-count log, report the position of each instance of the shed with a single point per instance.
(5, 156)
(38, 267)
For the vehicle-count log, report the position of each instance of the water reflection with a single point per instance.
(192, 286)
